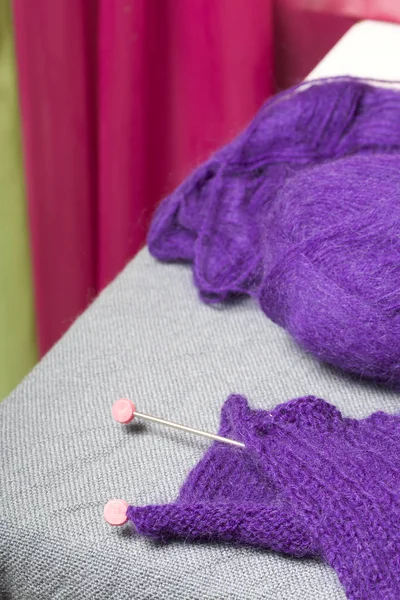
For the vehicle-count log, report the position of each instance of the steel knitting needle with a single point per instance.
(124, 411)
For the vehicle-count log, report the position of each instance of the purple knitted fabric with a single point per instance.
(309, 483)
(302, 212)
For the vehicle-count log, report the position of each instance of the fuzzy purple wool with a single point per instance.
(309, 483)
(302, 212)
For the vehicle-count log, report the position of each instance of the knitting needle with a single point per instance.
(124, 411)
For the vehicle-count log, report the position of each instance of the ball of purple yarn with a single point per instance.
(302, 211)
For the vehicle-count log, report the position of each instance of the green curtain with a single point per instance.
(17, 325)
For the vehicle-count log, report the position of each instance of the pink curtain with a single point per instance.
(379, 10)
(305, 30)
(119, 100)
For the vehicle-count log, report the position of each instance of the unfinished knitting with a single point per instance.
(309, 483)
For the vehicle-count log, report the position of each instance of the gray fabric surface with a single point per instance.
(62, 457)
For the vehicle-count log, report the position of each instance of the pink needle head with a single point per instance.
(115, 512)
(123, 410)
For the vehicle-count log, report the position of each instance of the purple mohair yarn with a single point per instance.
(309, 483)
(302, 212)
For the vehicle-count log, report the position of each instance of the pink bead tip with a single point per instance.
(115, 512)
(123, 410)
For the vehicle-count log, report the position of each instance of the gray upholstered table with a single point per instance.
(61, 456)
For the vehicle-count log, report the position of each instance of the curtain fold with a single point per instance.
(120, 99)
(54, 51)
